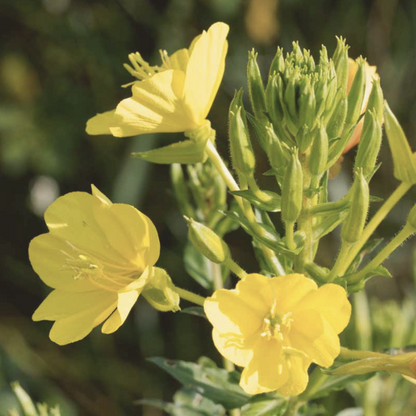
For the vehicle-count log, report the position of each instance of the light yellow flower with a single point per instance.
(173, 97)
(276, 327)
(98, 256)
(371, 73)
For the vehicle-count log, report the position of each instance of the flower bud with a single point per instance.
(278, 63)
(304, 138)
(356, 93)
(242, 155)
(404, 160)
(376, 101)
(276, 154)
(207, 242)
(255, 87)
(354, 223)
(307, 107)
(336, 122)
(319, 152)
(274, 107)
(340, 59)
(160, 291)
(370, 143)
(292, 190)
(290, 97)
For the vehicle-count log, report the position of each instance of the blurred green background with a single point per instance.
(60, 64)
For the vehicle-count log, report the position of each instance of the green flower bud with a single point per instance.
(340, 59)
(207, 242)
(319, 152)
(292, 190)
(336, 122)
(370, 143)
(290, 97)
(304, 138)
(307, 107)
(354, 223)
(274, 107)
(276, 154)
(411, 218)
(376, 101)
(278, 63)
(356, 94)
(404, 160)
(332, 88)
(255, 87)
(160, 292)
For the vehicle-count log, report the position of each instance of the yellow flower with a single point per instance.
(276, 327)
(371, 73)
(98, 257)
(173, 97)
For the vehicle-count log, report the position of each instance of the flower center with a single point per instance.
(276, 327)
(141, 69)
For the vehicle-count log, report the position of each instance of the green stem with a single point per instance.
(290, 240)
(345, 247)
(189, 296)
(262, 196)
(375, 222)
(235, 268)
(403, 235)
(293, 406)
(232, 185)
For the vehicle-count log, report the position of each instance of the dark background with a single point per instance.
(60, 64)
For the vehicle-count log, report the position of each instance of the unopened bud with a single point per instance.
(290, 98)
(292, 190)
(356, 94)
(340, 59)
(274, 107)
(336, 122)
(276, 154)
(376, 101)
(354, 223)
(370, 143)
(255, 87)
(278, 63)
(319, 152)
(307, 108)
(304, 138)
(160, 291)
(207, 242)
(404, 160)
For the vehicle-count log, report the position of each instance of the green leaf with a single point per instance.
(184, 152)
(195, 310)
(200, 268)
(213, 383)
(265, 405)
(338, 383)
(271, 206)
(374, 198)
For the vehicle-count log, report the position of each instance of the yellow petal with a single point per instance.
(248, 290)
(331, 302)
(100, 196)
(47, 254)
(76, 314)
(205, 70)
(297, 368)
(236, 349)
(156, 106)
(267, 370)
(322, 345)
(288, 291)
(102, 123)
(230, 315)
(130, 233)
(179, 60)
(71, 218)
(126, 301)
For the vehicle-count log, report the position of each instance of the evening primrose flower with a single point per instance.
(98, 258)
(173, 97)
(371, 73)
(276, 327)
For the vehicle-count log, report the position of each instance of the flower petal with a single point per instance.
(156, 106)
(321, 345)
(130, 233)
(48, 256)
(230, 315)
(248, 290)
(331, 302)
(267, 370)
(285, 292)
(205, 70)
(179, 60)
(102, 123)
(297, 368)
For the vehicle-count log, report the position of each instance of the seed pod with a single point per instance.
(404, 160)
(340, 59)
(319, 152)
(356, 94)
(354, 223)
(207, 242)
(292, 190)
(370, 143)
(255, 87)
(336, 122)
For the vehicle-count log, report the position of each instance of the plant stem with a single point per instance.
(262, 196)
(232, 185)
(290, 241)
(293, 406)
(189, 296)
(375, 222)
(403, 235)
(235, 268)
(345, 247)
